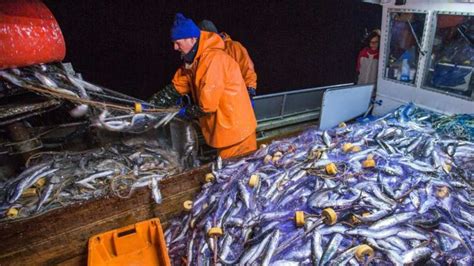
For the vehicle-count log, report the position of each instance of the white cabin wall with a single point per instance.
(393, 93)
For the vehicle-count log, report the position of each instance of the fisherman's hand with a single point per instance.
(166, 97)
(182, 113)
(190, 112)
(252, 92)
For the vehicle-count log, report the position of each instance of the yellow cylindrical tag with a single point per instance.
(268, 158)
(188, 205)
(40, 183)
(12, 212)
(347, 147)
(447, 168)
(276, 158)
(215, 231)
(209, 177)
(442, 192)
(370, 162)
(356, 148)
(29, 192)
(253, 181)
(138, 108)
(278, 154)
(330, 216)
(363, 251)
(354, 219)
(299, 218)
(331, 169)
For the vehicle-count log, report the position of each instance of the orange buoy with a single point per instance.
(29, 34)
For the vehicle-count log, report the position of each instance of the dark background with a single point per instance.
(125, 45)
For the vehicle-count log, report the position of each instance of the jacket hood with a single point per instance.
(209, 41)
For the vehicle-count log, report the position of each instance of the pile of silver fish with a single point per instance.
(56, 179)
(459, 126)
(388, 192)
(105, 108)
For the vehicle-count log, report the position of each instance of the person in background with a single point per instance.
(238, 52)
(217, 88)
(368, 59)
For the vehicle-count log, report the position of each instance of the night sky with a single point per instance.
(125, 45)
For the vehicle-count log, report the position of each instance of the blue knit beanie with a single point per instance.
(184, 28)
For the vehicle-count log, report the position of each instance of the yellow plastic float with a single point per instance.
(363, 251)
(347, 147)
(299, 218)
(330, 216)
(253, 181)
(188, 205)
(331, 169)
(209, 177)
(369, 162)
(12, 212)
(215, 232)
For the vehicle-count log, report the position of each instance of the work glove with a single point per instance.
(252, 92)
(191, 111)
(166, 97)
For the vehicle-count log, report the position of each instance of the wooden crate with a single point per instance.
(60, 236)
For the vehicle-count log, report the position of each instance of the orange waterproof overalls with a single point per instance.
(216, 85)
(238, 52)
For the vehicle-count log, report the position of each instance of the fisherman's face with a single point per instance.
(184, 45)
(374, 43)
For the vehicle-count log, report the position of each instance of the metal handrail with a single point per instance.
(283, 102)
(300, 91)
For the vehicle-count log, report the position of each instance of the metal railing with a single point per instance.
(290, 103)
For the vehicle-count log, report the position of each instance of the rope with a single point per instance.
(74, 99)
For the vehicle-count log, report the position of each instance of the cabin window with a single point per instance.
(451, 63)
(404, 46)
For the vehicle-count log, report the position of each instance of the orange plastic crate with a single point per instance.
(142, 243)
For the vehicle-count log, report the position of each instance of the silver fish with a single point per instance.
(331, 250)
(271, 247)
(392, 221)
(326, 138)
(416, 254)
(316, 246)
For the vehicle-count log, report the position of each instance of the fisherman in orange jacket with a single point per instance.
(218, 90)
(238, 52)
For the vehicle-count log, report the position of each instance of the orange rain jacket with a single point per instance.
(238, 52)
(216, 85)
